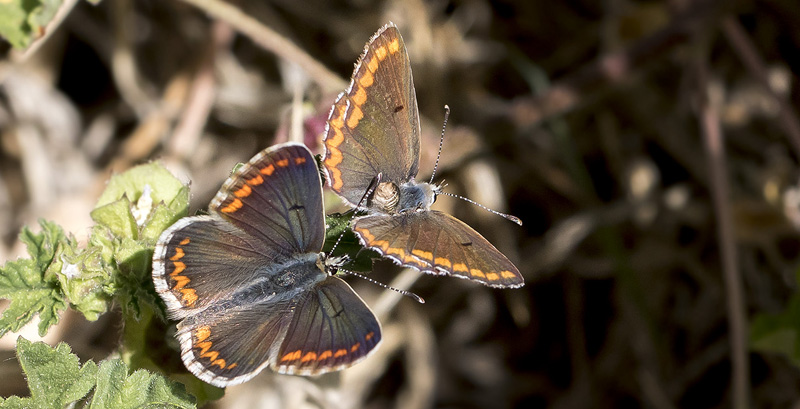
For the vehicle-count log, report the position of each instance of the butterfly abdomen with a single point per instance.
(385, 198)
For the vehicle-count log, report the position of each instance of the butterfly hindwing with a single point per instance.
(437, 243)
(332, 328)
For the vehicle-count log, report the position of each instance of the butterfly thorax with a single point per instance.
(390, 198)
(286, 278)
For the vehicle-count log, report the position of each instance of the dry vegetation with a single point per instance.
(650, 147)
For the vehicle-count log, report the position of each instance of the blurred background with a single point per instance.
(650, 148)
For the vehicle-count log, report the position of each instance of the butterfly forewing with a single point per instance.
(291, 220)
(202, 259)
(374, 125)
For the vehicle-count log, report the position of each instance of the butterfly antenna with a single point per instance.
(441, 142)
(514, 219)
(408, 294)
(369, 191)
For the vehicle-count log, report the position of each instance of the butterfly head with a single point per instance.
(330, 264)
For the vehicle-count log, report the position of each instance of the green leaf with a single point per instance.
(86, 280)
(358, 260)
(149, 343)
(57, 380)
(163, 186)
(142, 202)
(117, 217)
(44, 247)
(117, 390)
(22, 21)
(779, 333)
(32, 284)
(54, 375)
(165, 215)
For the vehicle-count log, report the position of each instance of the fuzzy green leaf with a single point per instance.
(142, 202)
(131, 183)
(86, 281)
(44, 246)
(117, 217)
(358, 260)
(117, 390)
(55, 376)
(32, 284)
(23, 21)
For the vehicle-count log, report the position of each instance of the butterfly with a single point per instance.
(372, 145)
(250, 285)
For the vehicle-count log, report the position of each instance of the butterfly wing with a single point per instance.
(202, 259)
(437, 243)
(277, 198)
(268, 211)
(374, 125)
(332, 328)
(231, 345)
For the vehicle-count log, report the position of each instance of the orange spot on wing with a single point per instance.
(233, 365)
(427, 255)
(367, 78)
(201, 333)
(401, 254)
(219, 362)
(372, 66)
(460, 267)
(332, 142)
(355, 347)
(309, 356)
(355, 116)
(360, 97)
(299, 160)
(292, 356)
(394, 46)
(380, 53)
(257, 180)
(369, 336)
(180, 281)
(365, 232)
(204, 347)
(178, 254)
(233, 206)
(507, 274)
(189, 296)
(211, 355)
(325, 355)
(243, 192)
(383, 244)
(267, 170)
(282, 163)
(478, 273)
(184, 241)
(492, 276)
(443, 262)
(179, 267)
(340, 352)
